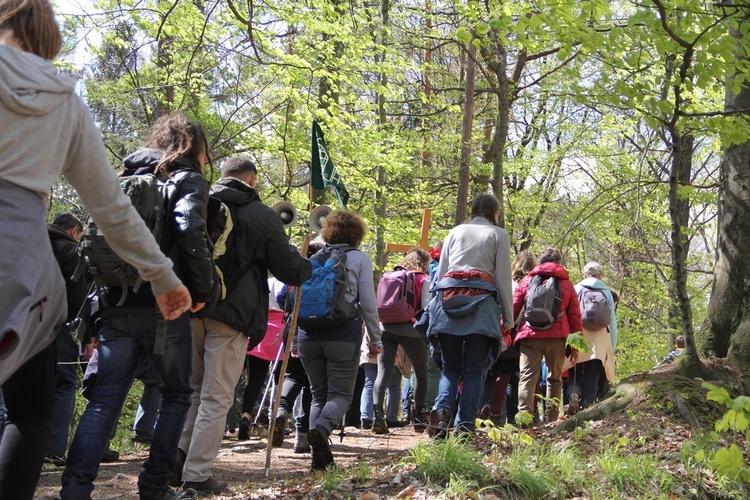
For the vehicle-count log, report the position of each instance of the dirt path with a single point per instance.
(242, 465)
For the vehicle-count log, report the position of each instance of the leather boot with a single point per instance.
(379, 425)
(420, 419)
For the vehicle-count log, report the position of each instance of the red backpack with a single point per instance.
(399, 295)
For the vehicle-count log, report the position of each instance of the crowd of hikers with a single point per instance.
(189, 285)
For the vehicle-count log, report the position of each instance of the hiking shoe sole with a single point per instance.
(321, 452)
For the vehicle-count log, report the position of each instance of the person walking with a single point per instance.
(129, 329)
(471, 313)
(48, 131)
(548, 342)
(256, 245)
(414, 344)
(331, 356)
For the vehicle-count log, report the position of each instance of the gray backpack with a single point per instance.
(596, 311)
(542, 306)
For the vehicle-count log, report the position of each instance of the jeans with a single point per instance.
(394, 393)
(2, 415)
(148, 408)
(124, 342)
(66, 383)
(332, 368)
(464, 357)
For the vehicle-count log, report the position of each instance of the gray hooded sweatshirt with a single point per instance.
(47, 131)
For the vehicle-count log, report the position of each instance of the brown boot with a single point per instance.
(379, 426)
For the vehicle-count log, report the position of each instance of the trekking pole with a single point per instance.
(287, 351)
(268, 386)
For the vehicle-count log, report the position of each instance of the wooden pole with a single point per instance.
(287, 351)
(423, 238)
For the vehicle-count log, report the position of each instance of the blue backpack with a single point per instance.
(323, 304)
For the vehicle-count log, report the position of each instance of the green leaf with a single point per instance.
(700, 456)
(463, 35)
(728, 461)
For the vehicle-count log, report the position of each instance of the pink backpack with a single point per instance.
(399, 295)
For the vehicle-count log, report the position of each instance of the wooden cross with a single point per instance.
(395, 247)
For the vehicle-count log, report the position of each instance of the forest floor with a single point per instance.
(644, 450)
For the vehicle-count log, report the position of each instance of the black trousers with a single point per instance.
(29, 400)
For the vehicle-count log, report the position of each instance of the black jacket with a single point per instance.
(256, 245)
(65, 249)
(185, 238)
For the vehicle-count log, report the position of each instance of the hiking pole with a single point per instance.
(268, 386)
(287, 351)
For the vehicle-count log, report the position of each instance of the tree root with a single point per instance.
(624, 395)
(682, 408)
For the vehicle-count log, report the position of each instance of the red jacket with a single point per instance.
(568, 323)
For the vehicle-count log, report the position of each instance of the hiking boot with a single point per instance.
(147, 493)
(574, 405)
(485, 413)
(56, 460)
(141, 437)
(243, 434)
(175, 481)
(396, 423)
(379, 426)
(420, 419)
(279, 429)
(321, 452)
(366, 424)
(210, 485)
(431, 422)
(442, 425)
(110, 456)
(301, 444)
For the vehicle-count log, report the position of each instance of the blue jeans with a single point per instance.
(464, 358)
(2, 414)
(394, 393)
(148, 408)
(124, 342)
(66, 383)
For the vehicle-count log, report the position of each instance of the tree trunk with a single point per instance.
(679, 208)
(726, 330)
(380, 200)
(468, 123)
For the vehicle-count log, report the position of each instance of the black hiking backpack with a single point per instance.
(542, 306)
(148, 195)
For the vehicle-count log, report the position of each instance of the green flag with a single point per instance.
(322, 171)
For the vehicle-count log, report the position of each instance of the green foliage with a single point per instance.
(439, 460)
(729, 461)
(578, 342)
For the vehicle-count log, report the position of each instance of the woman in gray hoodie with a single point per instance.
(47, 131)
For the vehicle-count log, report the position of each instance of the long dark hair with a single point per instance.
(178, 137)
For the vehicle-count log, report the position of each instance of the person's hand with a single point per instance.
(573, 356)
(88, 349)
(197, 306)
(375, 350)
(174, 303)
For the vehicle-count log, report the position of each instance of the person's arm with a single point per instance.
(366, 288)
(90, 173)
(612, 319)
(503, 279)
(283, 260)
(574, 309)
(188, 225)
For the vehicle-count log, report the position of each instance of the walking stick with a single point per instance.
(287, 351)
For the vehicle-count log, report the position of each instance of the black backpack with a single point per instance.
(542, 306)
(148, 195)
